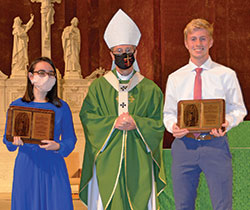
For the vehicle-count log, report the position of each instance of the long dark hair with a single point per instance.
(52, 95)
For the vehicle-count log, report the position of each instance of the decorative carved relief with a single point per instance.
(99, 72)
(14, 89)
(74, 92)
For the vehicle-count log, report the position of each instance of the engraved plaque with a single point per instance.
(201, 115)
(31, 124)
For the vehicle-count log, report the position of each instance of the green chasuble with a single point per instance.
(123, 159)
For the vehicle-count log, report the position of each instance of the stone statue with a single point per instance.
(99, 72)
(20, 59)
(71, 41)
(47, 19)
(47, 9)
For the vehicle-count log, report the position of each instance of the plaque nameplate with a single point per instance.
(31, 124)
(201, 115)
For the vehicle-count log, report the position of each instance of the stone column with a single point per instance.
(3, 78)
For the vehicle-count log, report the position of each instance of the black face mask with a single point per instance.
(124, 61)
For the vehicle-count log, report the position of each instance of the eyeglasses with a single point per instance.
(120, 51)
(43, 73)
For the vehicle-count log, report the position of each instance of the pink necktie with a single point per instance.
(197, 89)
(197, 84)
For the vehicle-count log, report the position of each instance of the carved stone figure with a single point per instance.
(20, 46)
(99, 72)
(47, 18)
(71, 41)
(47, 8)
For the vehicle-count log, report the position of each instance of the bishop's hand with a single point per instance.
(125, 122)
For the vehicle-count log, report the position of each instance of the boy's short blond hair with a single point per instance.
(198, 24)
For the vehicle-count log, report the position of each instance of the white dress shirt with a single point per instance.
(218, 82)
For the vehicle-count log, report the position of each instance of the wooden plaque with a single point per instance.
(31, 124)
(201, 115)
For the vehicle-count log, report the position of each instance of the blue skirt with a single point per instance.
(40, 180)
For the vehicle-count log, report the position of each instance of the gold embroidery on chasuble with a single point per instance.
(130, 99)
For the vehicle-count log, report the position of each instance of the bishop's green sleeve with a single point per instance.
(96, 117)
(150, 124)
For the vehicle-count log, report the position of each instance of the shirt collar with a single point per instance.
(205, 66)
(122, 77)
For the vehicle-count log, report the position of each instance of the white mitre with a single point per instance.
(122, 30)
